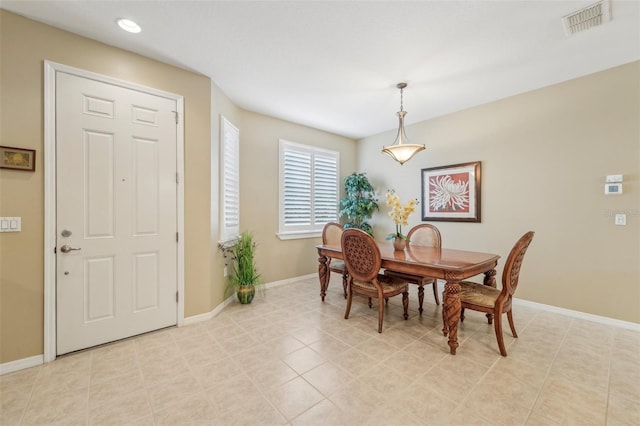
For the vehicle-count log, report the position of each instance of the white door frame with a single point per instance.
(50, 70)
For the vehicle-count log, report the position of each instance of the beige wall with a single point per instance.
(25, 45)
(259, 135)
(545, 155)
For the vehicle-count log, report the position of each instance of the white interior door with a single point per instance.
(116, 230)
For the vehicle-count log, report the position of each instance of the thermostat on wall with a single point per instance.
(613, 188)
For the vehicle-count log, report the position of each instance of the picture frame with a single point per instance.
(17, 158)
(451, 193)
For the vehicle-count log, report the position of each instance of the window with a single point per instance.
(308, 189)
(230, 180)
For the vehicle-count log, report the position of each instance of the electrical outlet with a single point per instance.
(621, 219)
(225, 272)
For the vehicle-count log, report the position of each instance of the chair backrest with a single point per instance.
(425, 235)
(361, 254)
(511, 271)
(332, 233)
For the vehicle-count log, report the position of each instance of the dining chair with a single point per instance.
(363, 260)
(421, 235)
(331, 235)
(496, 302)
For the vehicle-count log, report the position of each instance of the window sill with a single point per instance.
(299, 235)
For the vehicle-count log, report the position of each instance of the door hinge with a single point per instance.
(177, 297)
(177, 116)
(177, 178)
(55, 250)
(177, 237)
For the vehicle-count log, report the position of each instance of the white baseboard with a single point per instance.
(580, 315)
(290, 280)
(33, 361)
(569, 313)
(208, 315)
(21, 364)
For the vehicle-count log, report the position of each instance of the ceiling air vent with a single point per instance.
(590, 16)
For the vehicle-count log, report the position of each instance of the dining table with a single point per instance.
(450, 265)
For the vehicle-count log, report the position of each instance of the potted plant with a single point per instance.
(400, 216)
(243, 277)
(360, 202)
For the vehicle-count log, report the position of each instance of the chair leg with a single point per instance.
(349, 300)
(490, 319)
(370, 304)
(420, 297)
(498, 327)
(513, 327)
(344, 284)
(380, 313)
(435, 292)
(405, 304)
(461, 314)
(386, 300)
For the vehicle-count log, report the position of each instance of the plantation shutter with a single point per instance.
(308, 189)
(230, 197)
(297, 187)
(325, 178)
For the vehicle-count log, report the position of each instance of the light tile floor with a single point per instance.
(289, 359)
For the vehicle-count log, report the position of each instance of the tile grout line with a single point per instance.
(548, 372)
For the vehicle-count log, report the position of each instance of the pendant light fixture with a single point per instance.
(401, 150)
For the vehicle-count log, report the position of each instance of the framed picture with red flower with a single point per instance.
(451, 193)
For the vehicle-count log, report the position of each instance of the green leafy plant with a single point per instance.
(360, 202)
(240, 256)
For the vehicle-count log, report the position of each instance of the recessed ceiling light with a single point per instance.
(128, 25)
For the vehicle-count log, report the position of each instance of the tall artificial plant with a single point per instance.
(240, 256)
(359, 203)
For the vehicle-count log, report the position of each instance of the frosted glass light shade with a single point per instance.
(400, 150)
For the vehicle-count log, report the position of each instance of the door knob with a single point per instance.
(66, 248)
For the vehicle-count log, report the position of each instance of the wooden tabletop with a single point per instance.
(435, 262)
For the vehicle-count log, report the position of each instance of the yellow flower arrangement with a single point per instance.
(399, 213)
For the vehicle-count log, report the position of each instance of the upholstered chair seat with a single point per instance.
(390, 285)
(478, 294)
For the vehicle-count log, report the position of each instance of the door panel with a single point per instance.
(117, 195)
(98, 289)
(146, 192)
(98, 188)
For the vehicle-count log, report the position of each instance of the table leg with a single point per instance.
(451, 313)
(323, 274)
(490, 280)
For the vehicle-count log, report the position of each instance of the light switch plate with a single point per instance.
(621, 219)
(10, 224)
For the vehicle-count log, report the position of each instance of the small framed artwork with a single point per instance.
(17, 158)
(451, 193)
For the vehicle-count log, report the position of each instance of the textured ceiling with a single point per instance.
(334, 65)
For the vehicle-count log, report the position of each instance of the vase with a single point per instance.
(245, 294)
(399, 243)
